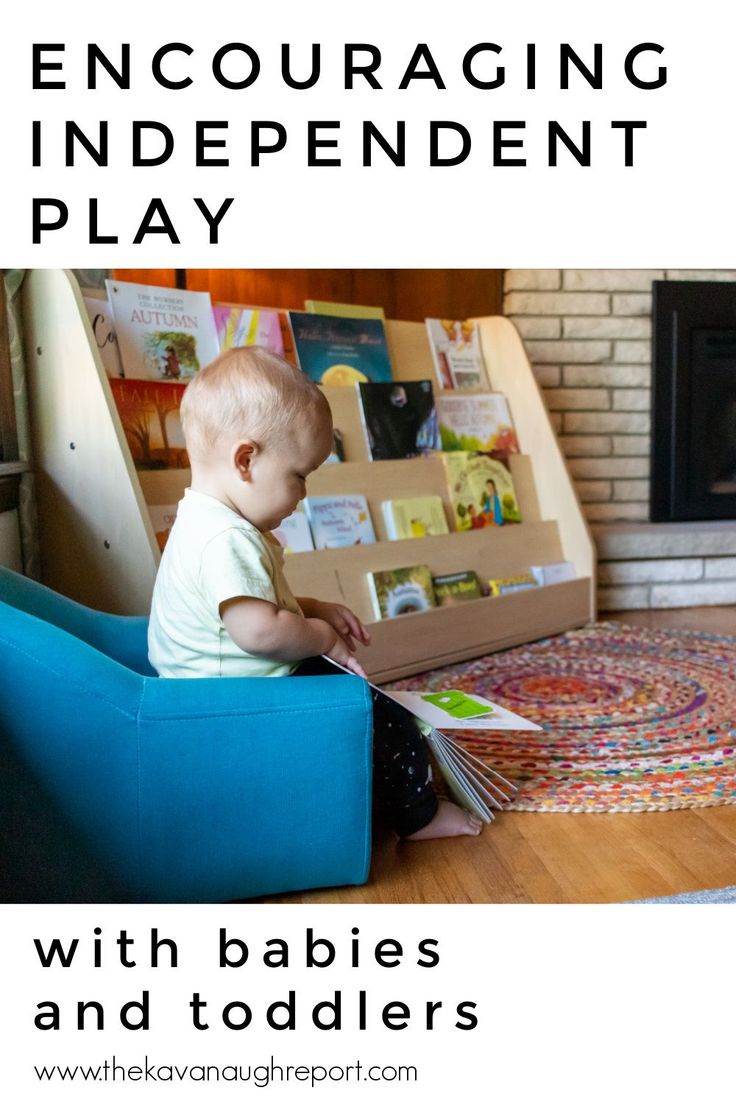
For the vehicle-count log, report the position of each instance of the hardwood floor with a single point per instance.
(563, 857)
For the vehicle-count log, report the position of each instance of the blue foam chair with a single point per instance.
(173, 789)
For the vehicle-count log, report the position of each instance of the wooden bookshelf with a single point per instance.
(98, 545)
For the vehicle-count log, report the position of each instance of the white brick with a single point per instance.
(606, 375)
(633, 303)
(547, 375)
(587, 445)
(623, 597)
(616, 511)
(619, 422)
(609, 467)
(632, 446)
(593, 490)
(700, 274)
(532, 279)
(612, 326)
(556, 302)
(693, 594)
(632, 352)
(650, 571)
(544, 328)
(574, 352)
(568, 398)
(724, 567)
(631, 490)
(610, 279)
(632, 399)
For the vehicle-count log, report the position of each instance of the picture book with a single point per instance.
(103, 331)
(162, 518)
(548, 574)
(399, 419)
(149, 412)
(401, 590)
(475, 423)
(163, 333)
(460, 586)
(511, 584)
(471, 781)
(338, 521)
(294, 534)
(458, 360)
(340, 351)
(481, 489)
(414, 517)
(342, 310)
(239, 326)
(337, 455)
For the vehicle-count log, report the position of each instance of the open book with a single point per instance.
(472, 783)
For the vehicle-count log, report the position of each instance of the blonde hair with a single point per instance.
(248, 392)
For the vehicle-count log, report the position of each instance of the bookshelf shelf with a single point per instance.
(98, 544)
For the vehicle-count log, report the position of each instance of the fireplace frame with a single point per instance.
(678, 309)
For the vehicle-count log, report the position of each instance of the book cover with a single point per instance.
(162, 518)
(481, 489)
(401, 590)
(457, 355)
(414, 517)
(510, 584)
(340, 351)
(240, 326)
(548, 574)
(399, 419)
(459, 586)
(149, 413)
(337, 456)
(103, 331)
(163, 333)
(294, 534)
(338, 521)
(475, 423)
(342, 310)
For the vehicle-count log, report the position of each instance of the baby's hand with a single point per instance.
(343, 621)
(341, 654)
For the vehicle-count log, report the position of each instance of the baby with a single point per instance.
(255, 428)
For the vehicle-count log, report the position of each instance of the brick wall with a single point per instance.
(588, 335)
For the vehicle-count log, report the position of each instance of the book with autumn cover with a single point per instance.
(103, 331)
(240, 326)
(162, 333)
(339, 352)
(481, 489)
(338, 521)
(475, 423)
(149, 413)
(456, 352)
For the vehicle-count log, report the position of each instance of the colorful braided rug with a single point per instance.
(633, 719)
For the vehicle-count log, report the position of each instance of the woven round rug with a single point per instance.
(633, 719)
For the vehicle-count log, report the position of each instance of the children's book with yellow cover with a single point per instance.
(342, 310)
(414, 517)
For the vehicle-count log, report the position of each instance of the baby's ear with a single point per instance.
(242, 458)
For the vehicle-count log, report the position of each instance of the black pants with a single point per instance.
(401, 766)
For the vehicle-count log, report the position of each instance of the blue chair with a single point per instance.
(172, 789)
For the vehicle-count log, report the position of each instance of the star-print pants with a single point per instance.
(402, 772)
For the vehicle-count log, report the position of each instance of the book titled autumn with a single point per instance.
(476, 423)
(399, 419)
(338, 521)
(162, 333)
(340, 351)
(481, 489)
(149, 413)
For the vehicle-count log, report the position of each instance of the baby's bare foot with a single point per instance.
(449, 820)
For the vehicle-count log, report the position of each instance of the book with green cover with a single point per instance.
(475, 423)
(342, 310)
(401, 590)
(459, 586)
(414, 517)
(481, 489)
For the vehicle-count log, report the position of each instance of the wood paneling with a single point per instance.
(412, 294)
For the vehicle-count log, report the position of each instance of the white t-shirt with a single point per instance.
(212, 554)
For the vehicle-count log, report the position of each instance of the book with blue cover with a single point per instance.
(339, 352)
